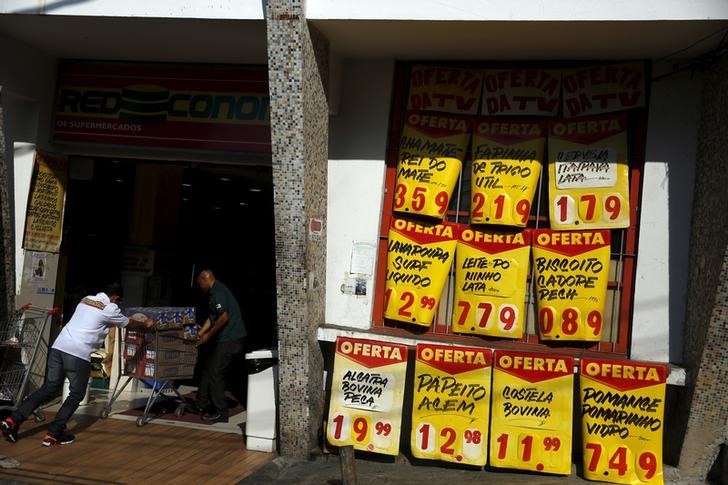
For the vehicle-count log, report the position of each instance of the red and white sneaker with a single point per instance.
(9, 429)
(58, 439)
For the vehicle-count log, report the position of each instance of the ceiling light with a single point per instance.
(119, 180)
(255, 189)
(243, 203)
(225, 179)
(185, 184)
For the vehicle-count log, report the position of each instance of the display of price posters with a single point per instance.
(431, 154)
(622, 409)
(418, 261)
(521, 92)
(589, 173)
(367, 390)
(571, 270)
(490, 283)
(601, 89)
(506, 167)
(450, 404)
(532, 411)
(445, 89)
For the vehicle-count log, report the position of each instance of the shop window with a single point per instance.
(618, 308)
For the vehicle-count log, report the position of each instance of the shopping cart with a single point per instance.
(157, 358)
(21, 339)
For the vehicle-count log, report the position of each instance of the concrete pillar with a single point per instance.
(299, 131)
(7, 251)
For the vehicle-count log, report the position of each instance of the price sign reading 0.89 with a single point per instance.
(589, 172)
(451, 403)
(622, 409)
(571, 269)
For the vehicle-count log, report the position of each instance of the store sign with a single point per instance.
(521, 92)
(532, 411)
(622, 409)
(185, 106)
(603, 89)
(418, 261)
(571, 270)
(451, 404)
(589, 173)
(506, 166)
(46, 203)
(445, 89)
(490, 283)
(365, 410)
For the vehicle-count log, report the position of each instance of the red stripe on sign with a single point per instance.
(494, 243)
(571, 243)
(623, 375)
(507, 131)
(437, 125)
(371, 353)
(421, 234)
(454, 360)
(589, 129)
(533, 367)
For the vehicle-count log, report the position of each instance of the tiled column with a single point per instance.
(7, 254)
(299, 130)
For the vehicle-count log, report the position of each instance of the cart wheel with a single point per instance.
(140, 422)
(180, 411)
(104, 413)
(39, 416)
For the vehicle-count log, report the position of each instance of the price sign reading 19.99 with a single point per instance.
(532, 410)
(451, 403)
(571, 269)
(365, 409)
(622, 409)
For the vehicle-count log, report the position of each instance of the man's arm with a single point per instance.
(203, 337)
(146, 324)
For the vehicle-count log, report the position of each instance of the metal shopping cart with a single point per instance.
(157, 358)
(21, 339)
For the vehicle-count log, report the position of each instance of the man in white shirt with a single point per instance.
(70, 357)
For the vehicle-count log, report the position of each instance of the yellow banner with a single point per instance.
(571, 271)
(450, 404)
(622, 409)
(490, 283)
(46, 202)
(506, 166)
(521, 92)
(601, 89)
(445, 89)
(532, 411)
(365, 410)
(418, 261)
(589, 173)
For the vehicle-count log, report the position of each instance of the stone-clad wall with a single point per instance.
(299, 131)
(7, 253)
(704, 406)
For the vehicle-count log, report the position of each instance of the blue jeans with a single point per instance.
(60, 366)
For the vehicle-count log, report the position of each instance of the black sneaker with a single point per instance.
(215, 417)
(58, 439)
(10, 429)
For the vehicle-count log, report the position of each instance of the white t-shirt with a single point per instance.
(89, 325)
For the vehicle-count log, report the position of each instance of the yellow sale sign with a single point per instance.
(506, 167)
(418, 261)
(490, 283)
(365, 410)
(532, 411)
(431, 154)
(601, 89)
(450, 404)
(445, 89)
(589, 173)
(571, 270)
(521, 92)
(622, 409)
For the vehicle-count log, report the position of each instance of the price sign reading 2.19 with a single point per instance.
(451, 403)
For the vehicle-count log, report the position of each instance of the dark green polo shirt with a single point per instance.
(221, 301)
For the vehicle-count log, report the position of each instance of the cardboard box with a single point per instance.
(166, 317)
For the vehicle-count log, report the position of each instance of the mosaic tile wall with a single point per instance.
(704, 403)
(299, 130)
(7, 253)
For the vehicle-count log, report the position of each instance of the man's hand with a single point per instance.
(150, 324)
(202, 338)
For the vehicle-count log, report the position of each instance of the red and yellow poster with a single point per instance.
(431, 154)
(521, 92)
(418, 261)
(589, 173)
(571, 270)
(532, 411)
(622, 409)
(490, 283)
(46, 203)
(451, 403)
(367, 390)
(602, 89)
(507, 157)
(445, 89)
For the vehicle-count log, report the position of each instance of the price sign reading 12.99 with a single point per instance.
(451, 403)
(532, 411)
(365, 409)
(622, 410)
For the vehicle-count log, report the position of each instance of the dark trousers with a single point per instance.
(60, 366)
(212, 380)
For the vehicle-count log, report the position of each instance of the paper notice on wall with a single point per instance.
(444, 89)
(603, 89)
(521, 92)
(46, 202)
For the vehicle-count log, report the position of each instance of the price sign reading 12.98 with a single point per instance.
(532, 411)
(365, 409)
(622, 410)
(451, 403)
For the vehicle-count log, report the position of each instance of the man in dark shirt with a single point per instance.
(225, 330)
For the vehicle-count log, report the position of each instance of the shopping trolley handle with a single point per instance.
(47, 311)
